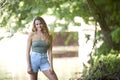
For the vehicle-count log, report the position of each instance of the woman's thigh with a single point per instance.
(50, 75)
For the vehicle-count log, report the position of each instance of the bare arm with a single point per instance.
(29, 42)
(50, 56)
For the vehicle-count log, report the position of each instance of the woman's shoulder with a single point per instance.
(31, 34)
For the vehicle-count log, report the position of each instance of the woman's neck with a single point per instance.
(39, 32)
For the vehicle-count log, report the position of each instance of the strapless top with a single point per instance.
(39, 46)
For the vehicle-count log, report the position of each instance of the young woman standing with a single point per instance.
(39, 51)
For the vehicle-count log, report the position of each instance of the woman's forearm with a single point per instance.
(28, 59)
(28, 51)
(50, 53)
(51, 59)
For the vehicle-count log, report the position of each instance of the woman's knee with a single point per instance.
(33, 76)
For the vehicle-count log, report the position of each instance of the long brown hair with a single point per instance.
(45, 30)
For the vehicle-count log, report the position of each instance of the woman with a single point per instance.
(41, 43)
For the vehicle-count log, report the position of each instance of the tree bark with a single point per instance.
(100, 18)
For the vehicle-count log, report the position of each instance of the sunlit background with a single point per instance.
(13, 47)
(13, 54)
(13, 60)
(86, 34)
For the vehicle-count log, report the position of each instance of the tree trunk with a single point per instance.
(100, 18)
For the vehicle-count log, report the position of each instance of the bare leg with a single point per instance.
(33, 76)
(50, 75)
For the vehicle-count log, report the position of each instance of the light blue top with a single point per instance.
(39, 46)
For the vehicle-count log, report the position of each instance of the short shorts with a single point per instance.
(39, 61)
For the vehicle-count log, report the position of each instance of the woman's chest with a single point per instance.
(38, 37)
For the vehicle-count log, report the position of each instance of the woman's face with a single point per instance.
(38, 25)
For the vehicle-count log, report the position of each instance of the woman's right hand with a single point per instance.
(29, 70)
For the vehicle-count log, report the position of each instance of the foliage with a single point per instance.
(106, 13)
(16, 13)
(104, 66)
(71, 36)
(116, 35)
(103, 49)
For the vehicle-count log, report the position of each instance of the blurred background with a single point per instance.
(86, 37)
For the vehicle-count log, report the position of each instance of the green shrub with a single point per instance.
(104, 65)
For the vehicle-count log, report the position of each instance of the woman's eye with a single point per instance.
(37, 24)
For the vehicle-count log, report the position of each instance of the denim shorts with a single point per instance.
(39, 61)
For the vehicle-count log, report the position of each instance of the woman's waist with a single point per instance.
(37, 55)
(39, 50)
